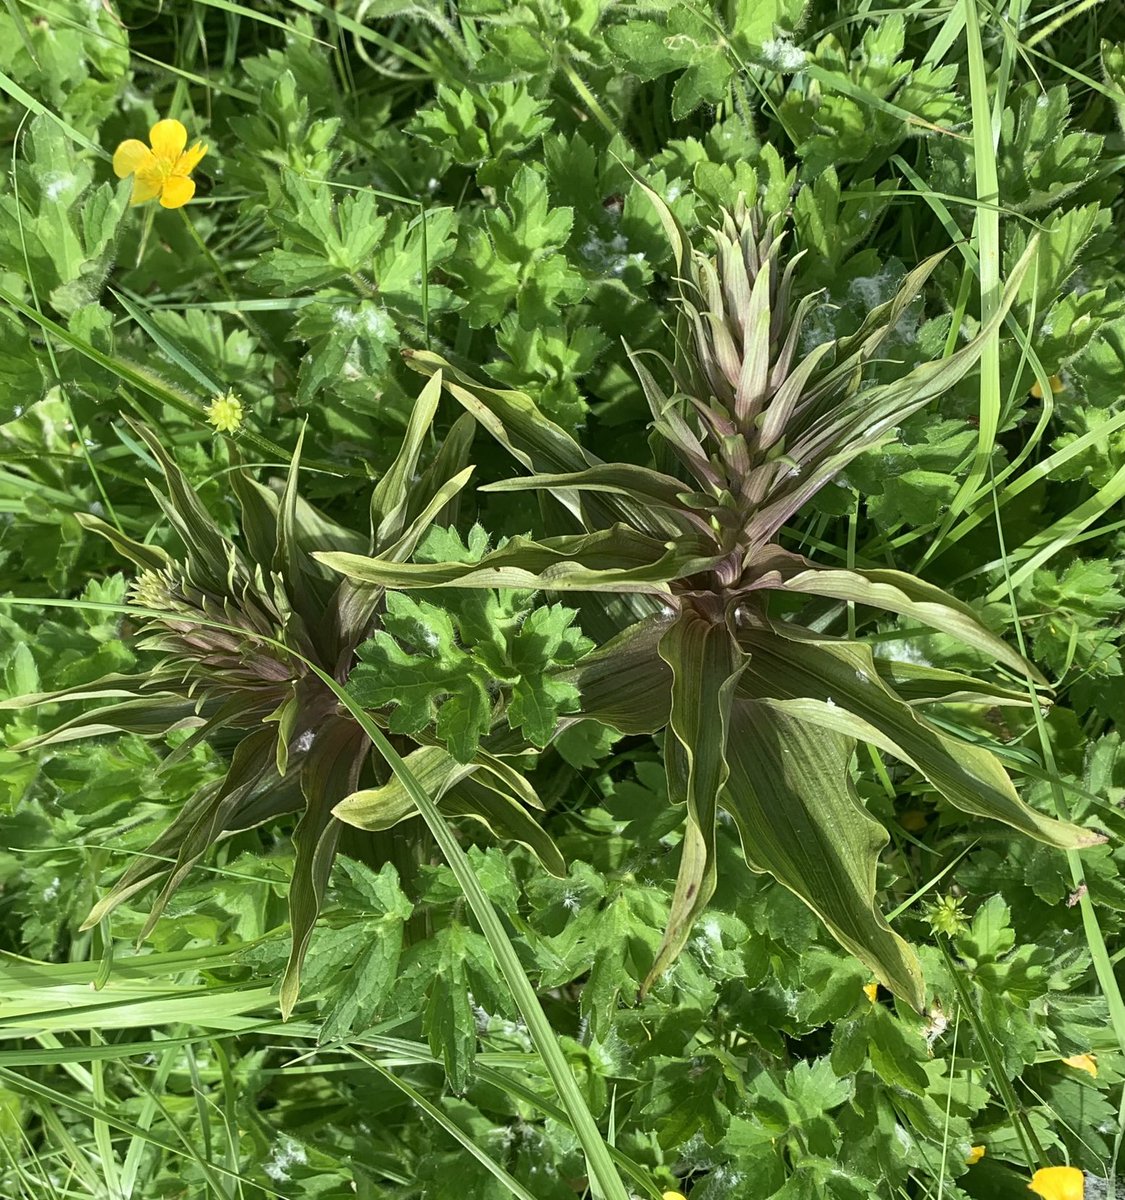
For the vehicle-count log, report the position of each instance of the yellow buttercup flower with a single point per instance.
(1083, 1062)
(1058, 1183)
(163, 169)
(1057, 386)
(976, 1153)
(226, 413)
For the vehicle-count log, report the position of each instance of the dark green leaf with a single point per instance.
(790, 794)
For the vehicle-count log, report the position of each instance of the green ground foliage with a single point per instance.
(561, 619)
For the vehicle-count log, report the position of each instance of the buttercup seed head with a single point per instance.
(226, 413)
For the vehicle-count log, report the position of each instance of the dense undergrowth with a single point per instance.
(412, 211)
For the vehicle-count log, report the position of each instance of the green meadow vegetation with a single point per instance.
(561, 599)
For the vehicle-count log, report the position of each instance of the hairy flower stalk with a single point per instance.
(762, 715)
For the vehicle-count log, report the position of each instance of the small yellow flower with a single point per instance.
(871, 990)
(674, 1196)
(1083, 1062)
(976, 1153)
(1057, 386)
(225, 413)
(1058, 1183)
(163, 170)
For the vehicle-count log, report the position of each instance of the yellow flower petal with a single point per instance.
(189, 160)
(168, 140)
(1057, 386)
(976, 1153)
(177, 191)
(147, 183)
(1083, 1062)
(674, 1196)
(1058, 1183)
(132, 156)
(871, 990)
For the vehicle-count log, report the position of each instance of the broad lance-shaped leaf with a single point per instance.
(807, 390)
(790, 794)
(148, 558)
(385, 806)
(329, 773)
(381, 807)
(478, 790)
(705, 662)
(625, 683)
(673, 230)
(258, 505)
(651, 490)
(617, 559)
(532, 438)
(315, 839)
(505, 818)
(208, 550)
(919, 684)
(97, 689)
(894, 591)
(390, 497)
(286, 559)
(149, 716)
(439, 503)
(451, 459)
(308, 587)
(681, 441)
(838, 688)
(513, 418)
(834, 439)
(247, 796)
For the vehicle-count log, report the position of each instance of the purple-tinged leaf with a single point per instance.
(646, 487)
(754, 376)
(329, 773)
(893, 591)
(390, 496)
(705, 662)
(625, 683)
